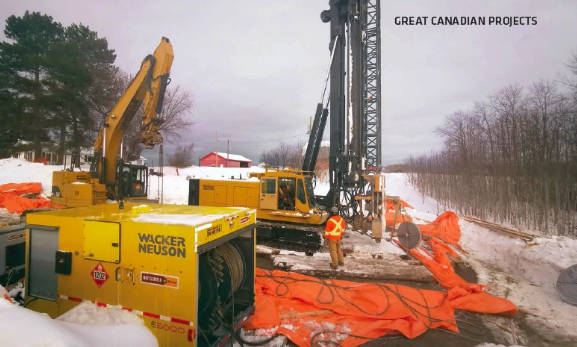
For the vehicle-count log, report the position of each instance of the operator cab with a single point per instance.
(291, 193)
(132, 180)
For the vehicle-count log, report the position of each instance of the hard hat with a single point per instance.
(334, 210)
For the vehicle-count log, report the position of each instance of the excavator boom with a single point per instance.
(147, 89)
(109, 177)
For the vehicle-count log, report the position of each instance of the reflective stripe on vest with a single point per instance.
(335, 227)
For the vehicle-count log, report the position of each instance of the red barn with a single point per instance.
(219, 159)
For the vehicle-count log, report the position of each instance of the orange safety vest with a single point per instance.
(335, 228)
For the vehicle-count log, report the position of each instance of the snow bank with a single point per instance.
(21, 171)
(22, 327)
(87, 313)
(524, 273)
(539, 261)
(396, 184)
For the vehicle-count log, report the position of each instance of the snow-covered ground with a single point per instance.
(21, 171)
(523, 272)
(84, 326)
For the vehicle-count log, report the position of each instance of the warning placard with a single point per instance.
(99, 275)
(159, 279)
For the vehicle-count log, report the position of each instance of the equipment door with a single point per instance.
(301, 201)
(42, 247)
(268, 196)
(102, 241)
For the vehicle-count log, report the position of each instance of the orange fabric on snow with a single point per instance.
(11, 197)
(462, 294)
(391, 216)
(439, 265)
(445, 227)
(363, 309)
(296, 304)
(390, 203)
(21, 188)
(309, 310)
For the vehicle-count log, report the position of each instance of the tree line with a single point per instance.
(284, 156)
(57, 83)
(511, 157)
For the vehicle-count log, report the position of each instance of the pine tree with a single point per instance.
(24, 64)
(56, 84)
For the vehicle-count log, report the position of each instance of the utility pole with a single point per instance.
(227, 151)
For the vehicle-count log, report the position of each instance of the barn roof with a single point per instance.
(235, 157)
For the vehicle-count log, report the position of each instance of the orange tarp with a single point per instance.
(308, 310)
(21, 188)
(391, 216)
(357, 312)
(11, 197)
(445, 228)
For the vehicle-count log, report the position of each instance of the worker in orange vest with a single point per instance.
(334, 231)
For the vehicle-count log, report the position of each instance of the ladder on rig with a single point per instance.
(371, 12)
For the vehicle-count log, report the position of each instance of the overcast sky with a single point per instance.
(256, 68)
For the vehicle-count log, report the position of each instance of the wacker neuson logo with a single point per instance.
(172, 246)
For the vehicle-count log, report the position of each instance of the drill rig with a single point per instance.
(110, 177)
(354, 107)
(288, 213)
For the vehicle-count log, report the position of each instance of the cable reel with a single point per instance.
(221, 275)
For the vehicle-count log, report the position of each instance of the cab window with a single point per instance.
(301, 192)
(268, 186)
(286, 193)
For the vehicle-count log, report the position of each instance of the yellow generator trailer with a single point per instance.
(287, 213)
(187, 270)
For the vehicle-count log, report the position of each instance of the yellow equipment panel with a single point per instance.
(102, 241)
(163, 268)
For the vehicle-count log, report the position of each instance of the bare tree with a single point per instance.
(175, 118)
(182, 156)
(284, 156)
(176, 113)
(511, 158)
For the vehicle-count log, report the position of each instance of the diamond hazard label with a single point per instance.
(99, 275)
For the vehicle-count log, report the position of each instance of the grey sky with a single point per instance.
(256, 68)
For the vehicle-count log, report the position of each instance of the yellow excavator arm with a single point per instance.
(147, 89)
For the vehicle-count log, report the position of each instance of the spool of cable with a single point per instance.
(566, 285)
(234, 262)
(221, 275)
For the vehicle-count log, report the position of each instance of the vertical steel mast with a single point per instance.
(354, 100)
(371, 13)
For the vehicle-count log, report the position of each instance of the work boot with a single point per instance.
(341, 264)
(333, 266)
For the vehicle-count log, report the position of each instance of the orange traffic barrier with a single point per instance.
(13, 197)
